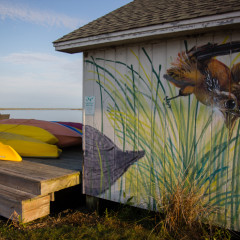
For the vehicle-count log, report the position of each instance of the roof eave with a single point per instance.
(195, 25)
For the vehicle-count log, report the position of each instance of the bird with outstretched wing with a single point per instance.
(198, 72)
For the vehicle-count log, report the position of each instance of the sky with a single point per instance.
(32, 73)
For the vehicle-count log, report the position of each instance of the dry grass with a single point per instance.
(184, 208)
(183, 212)
(67, 217)
(78, 225)
(186, 215)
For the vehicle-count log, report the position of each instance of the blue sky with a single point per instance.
(32, 73)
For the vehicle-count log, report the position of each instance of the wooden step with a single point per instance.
(36, 178)
(21, 206)
(20, 181)
(27, 187)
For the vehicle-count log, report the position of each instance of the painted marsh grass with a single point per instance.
(187, 146)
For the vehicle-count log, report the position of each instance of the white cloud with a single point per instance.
(49, 65)
(24, 13)
(30, 58)
(31, 79)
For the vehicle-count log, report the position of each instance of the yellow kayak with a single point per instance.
(8, 153)
(29, 147)
(29, 131)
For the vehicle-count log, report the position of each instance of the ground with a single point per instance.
(70, 219)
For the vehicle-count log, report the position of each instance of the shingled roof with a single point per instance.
(143, 13)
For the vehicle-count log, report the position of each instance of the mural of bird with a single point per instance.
(198, 72)
(104, 162)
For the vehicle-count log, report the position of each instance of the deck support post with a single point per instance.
(92, 203)
(52, 196)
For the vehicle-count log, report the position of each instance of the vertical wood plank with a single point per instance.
(120, 116)
(88, 86)
(158, 120)
(174, 128)
(131, 142)
(109, 117)
(235, 60)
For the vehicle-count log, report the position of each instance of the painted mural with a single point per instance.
(165, 117)
(212, 82)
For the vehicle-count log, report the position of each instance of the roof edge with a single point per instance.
(82, 44)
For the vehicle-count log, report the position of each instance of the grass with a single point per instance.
(125, 222)
(77, 225)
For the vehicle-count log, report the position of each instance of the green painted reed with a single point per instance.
(184, 144)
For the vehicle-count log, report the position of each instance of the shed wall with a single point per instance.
(140, 146)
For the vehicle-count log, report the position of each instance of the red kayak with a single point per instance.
(66, 136)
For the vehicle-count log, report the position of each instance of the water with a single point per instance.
(48, 115)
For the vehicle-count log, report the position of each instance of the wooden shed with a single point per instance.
(161, 109)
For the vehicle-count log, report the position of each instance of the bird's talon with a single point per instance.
(167, 102)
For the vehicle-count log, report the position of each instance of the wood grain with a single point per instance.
(25, 187)
(104, 162)
(18, 205)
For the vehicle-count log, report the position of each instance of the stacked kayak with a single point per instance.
(66, 136)
(28, 131)
(37, 138)
(75, 126)
(7, 153)
(29, 147)
(29, 141)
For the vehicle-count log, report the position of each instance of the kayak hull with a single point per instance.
(29, 131)
(29, 147)
(66, 136)
(7, 153)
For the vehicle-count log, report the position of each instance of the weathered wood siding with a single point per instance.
(139, 144)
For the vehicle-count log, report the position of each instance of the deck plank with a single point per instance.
(35, 208)
(71, 158)
(54, 185)
(18, 205)
(38, 175)
(37, 171)
(25, 187)
(14, 194)
(19, 182)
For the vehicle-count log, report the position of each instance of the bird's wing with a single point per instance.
(235, 71)
(184, 74)
(207, 51)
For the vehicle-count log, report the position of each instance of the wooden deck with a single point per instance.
(27, 187)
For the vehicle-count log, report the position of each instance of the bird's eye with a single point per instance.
(230, 104)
